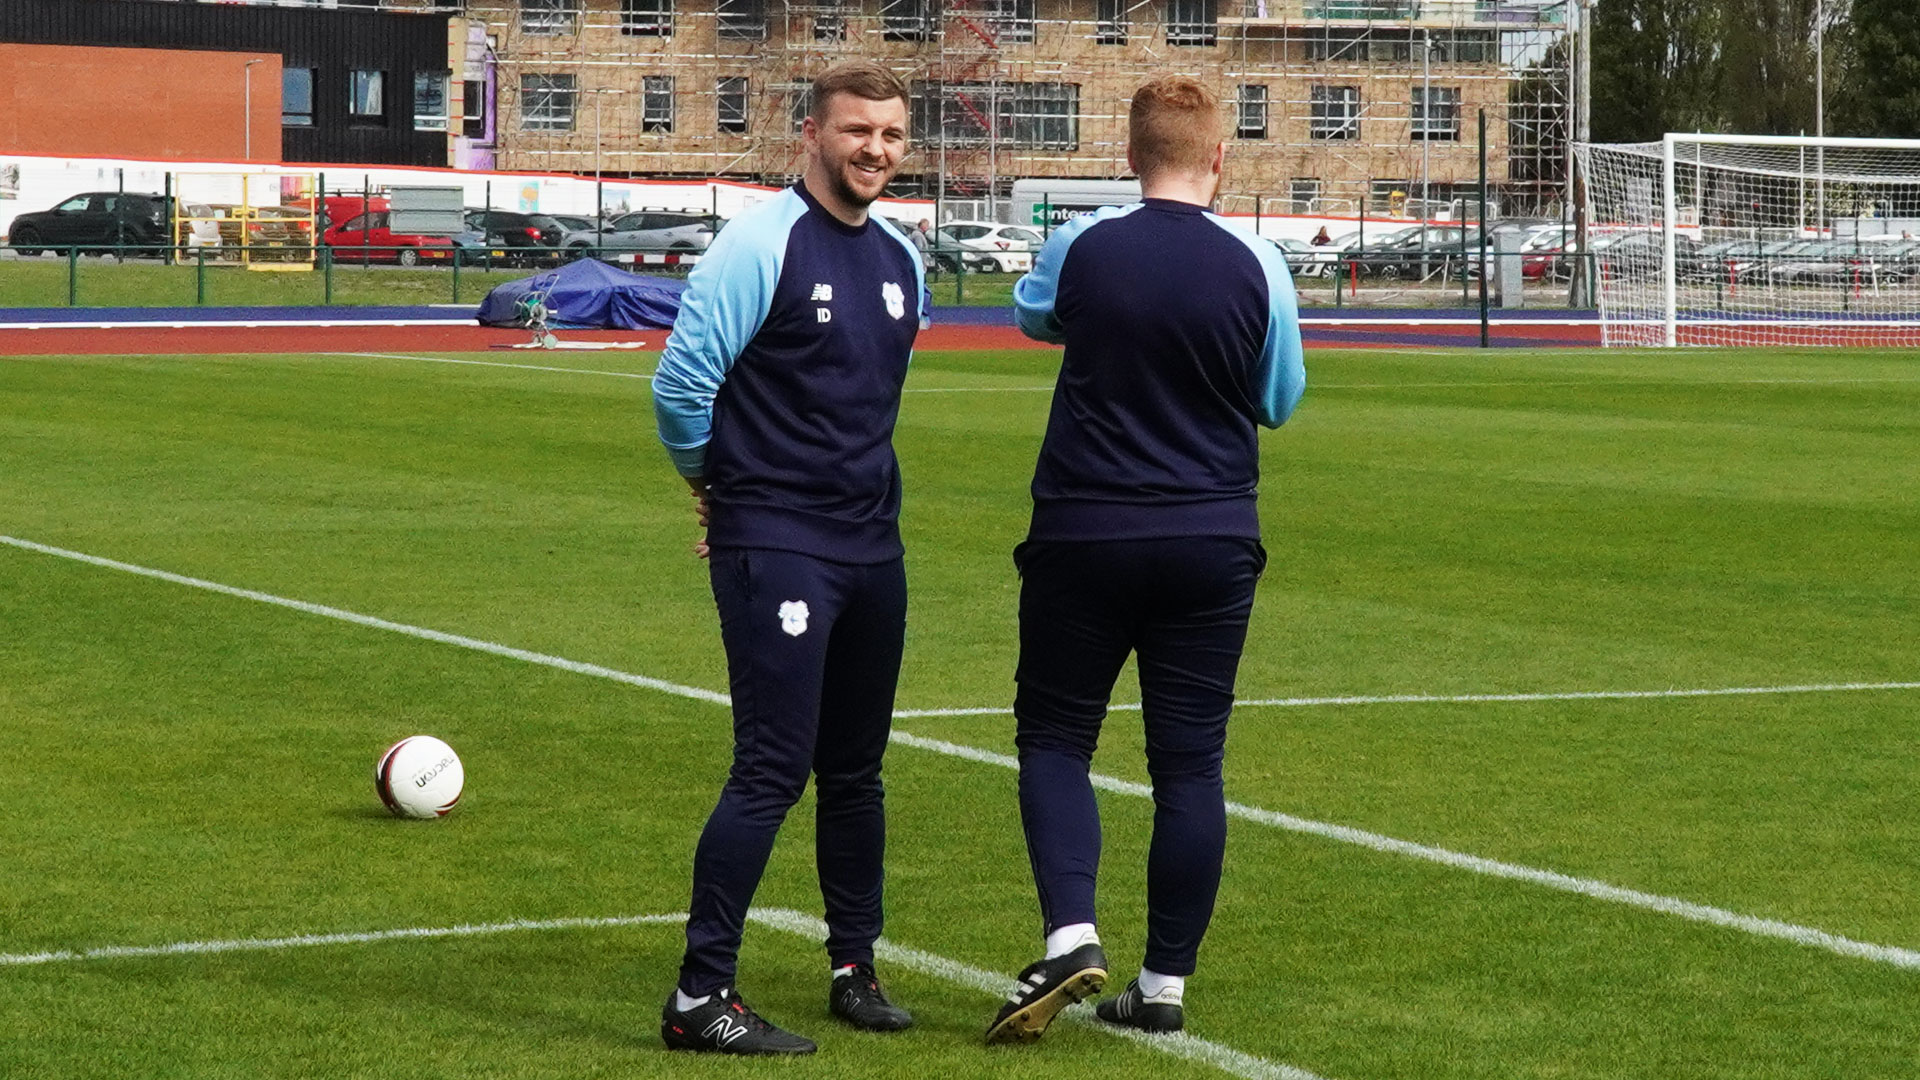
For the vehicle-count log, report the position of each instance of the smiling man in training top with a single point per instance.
(776, 399)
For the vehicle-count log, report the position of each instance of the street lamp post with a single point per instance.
(247, 95)
(1820, 114)
(1426, 136)
(599, 203)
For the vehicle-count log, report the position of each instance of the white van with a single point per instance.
(1046, 202)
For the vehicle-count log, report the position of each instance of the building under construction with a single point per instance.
(1334, 105)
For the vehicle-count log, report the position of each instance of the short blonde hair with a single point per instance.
(1173, 125)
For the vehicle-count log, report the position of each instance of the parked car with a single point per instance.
(1421, 252)
(987, 246)
(573, 223)
(649, 231)
(369, 237)
(199, 228)
(1298, 253)
(1348, 247)
(1866, 260)
(509, 236)
(139, 221)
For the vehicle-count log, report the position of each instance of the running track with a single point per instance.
(176, 331)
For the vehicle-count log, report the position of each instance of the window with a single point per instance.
(907, 20)
(296, 97)
(1045, 116)
(1193, 22)
(548, 16)
(830, 26)
(1304, 193)
(1388, 196)
(742, 20)
(1010, 21)
(1436, 118)
(1110, 22)
(1356, 46)
(646, 18)
(1335, 112)
(475, 105)
(430, 101)
(732, 96)
(366, 100)
(656, 103)
(546, 102)
(1466, 47)
(1038, 116)
(1361, 9)
(800, 103)
(1252, 113)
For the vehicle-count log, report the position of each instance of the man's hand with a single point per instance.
(697, 486)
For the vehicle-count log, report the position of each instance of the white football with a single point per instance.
(419, 777)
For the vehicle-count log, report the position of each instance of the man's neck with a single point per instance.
(817, 186)
(1185, 188)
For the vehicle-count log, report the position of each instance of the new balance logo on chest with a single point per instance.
(822, 294)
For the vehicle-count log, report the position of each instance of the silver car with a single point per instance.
(671, 232)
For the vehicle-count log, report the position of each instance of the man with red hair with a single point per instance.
(1145, 539)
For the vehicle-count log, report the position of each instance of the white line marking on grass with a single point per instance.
(149, 324)
(357, 619)
(785, 920)
(203, 948)
(1598, 890)
(1190, 1047)
(492, 363)
(1802, 935)
(1464, 699)
(649, 375)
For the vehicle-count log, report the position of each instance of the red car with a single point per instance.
(358, 231)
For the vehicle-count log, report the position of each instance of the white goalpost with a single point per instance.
(1754, 240)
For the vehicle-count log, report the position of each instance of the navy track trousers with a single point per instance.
(813, 658)
(1182, 605)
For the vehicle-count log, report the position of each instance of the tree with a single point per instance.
(1705, 65)
(1879, 91)
(1652, 67)
(1766, 67)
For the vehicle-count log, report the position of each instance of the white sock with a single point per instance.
(844, 969)
(682, 1002)
(1162, 989)
(1068, 938)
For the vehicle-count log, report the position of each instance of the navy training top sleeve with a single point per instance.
(1280, 376)
(1035, 292)
(728, 295)
(915, 248)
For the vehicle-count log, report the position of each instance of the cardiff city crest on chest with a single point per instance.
(896, 300)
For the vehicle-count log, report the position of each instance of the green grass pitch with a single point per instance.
(186, 766)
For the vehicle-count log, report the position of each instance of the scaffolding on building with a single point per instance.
(1335, 107)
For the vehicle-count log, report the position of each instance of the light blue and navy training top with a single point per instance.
(1182, 333)
(780, 383)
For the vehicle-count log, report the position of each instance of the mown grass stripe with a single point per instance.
(1599, 890)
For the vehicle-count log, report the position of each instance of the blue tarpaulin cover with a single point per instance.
(589, 294)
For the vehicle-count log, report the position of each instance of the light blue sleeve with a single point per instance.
(725, 303)
(1280, 377)
(1034, 293)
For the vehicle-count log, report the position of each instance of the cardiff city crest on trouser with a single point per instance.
(793, 617)
(896, 300)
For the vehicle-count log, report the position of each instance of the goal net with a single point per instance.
(1754, 240)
